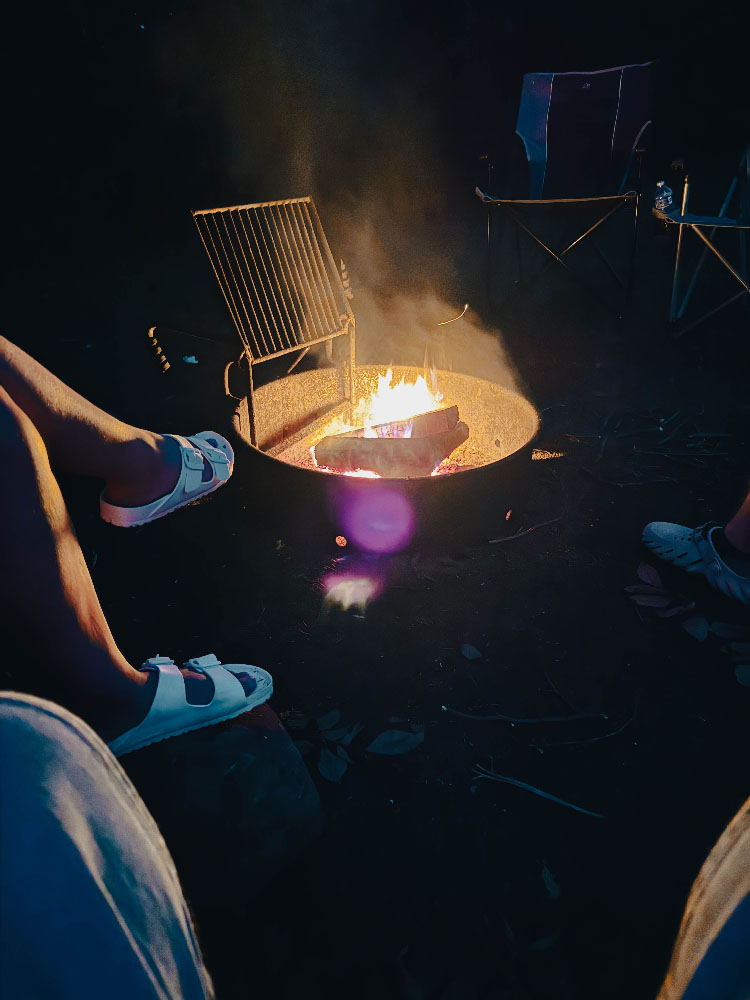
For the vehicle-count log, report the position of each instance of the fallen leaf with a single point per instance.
(395, 741)
(329, 720)
(678, 609)
(742, 673)
(551, 883)
(343, 754)
(642, 588)
(653, 600)
(697, 626)
(296, 721)
(738, 648)
(331, 767)
(334, 735)
(649, 575)
(727, 630)
(351, 733)
(470, 652)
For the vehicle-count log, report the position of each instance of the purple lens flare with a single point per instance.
(377, 519)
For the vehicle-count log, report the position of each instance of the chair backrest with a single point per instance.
(580, 130)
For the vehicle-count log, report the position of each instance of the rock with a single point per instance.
(234, 802)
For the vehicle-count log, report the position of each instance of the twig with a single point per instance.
(636, 482)
(508, 538)
(593, 739)
(483, 772)
(558, 692)
(522, 719)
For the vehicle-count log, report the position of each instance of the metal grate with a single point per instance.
(279, 280)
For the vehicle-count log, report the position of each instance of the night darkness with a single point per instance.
(117, 120)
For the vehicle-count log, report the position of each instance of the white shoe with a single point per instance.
(190, 486)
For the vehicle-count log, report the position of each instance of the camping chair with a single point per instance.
(740, 187)
(580, 132)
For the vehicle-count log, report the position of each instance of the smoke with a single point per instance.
(340, 102)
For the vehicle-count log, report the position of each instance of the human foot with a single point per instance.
(703, 550)
(132, 705)
(170, 472)
(150, 470)
(171, 701)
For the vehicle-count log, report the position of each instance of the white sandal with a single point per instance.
(190, 486)
(172, 714)
(692, 550)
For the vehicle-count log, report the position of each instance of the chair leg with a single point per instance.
(636, 220)
(676, 279)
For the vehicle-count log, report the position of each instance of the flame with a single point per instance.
(387, 404)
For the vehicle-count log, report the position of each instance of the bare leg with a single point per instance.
(737, 531)
(137, 465)
(47, 596)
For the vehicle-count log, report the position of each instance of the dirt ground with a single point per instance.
(430, 879)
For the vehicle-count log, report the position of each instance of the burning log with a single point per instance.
(420, 426)
(433, 437)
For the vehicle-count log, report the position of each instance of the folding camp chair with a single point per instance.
(739, 191)
(581, 132)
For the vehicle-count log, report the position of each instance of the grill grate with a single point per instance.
(279, 280)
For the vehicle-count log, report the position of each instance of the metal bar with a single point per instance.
(333, 306)
(249, 273)
(571, 272)
(307, 343)
(300, 269)
(676, 278)
(260, 279)
(317, 282)
(559, 259)
(704, 253)
(608, 265)
(234, 277)
(293, 290)
(591, 229)
(329, 256)
(294, 364)
(251, 405)
(306, 270)
(634, 245)
(234, 208)
(298, 286)
(705, 316)
(224, 291)
(723, 259)
(627, 196)
(259, 221)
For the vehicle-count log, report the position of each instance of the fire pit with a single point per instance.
(447, 447)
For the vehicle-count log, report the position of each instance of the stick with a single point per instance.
(482, 772)
(593, 739)
(522, 719)
(497, 541)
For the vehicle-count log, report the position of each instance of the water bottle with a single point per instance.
(663, 199)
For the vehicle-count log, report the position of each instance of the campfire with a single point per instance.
(391, 437)
(286, 295)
